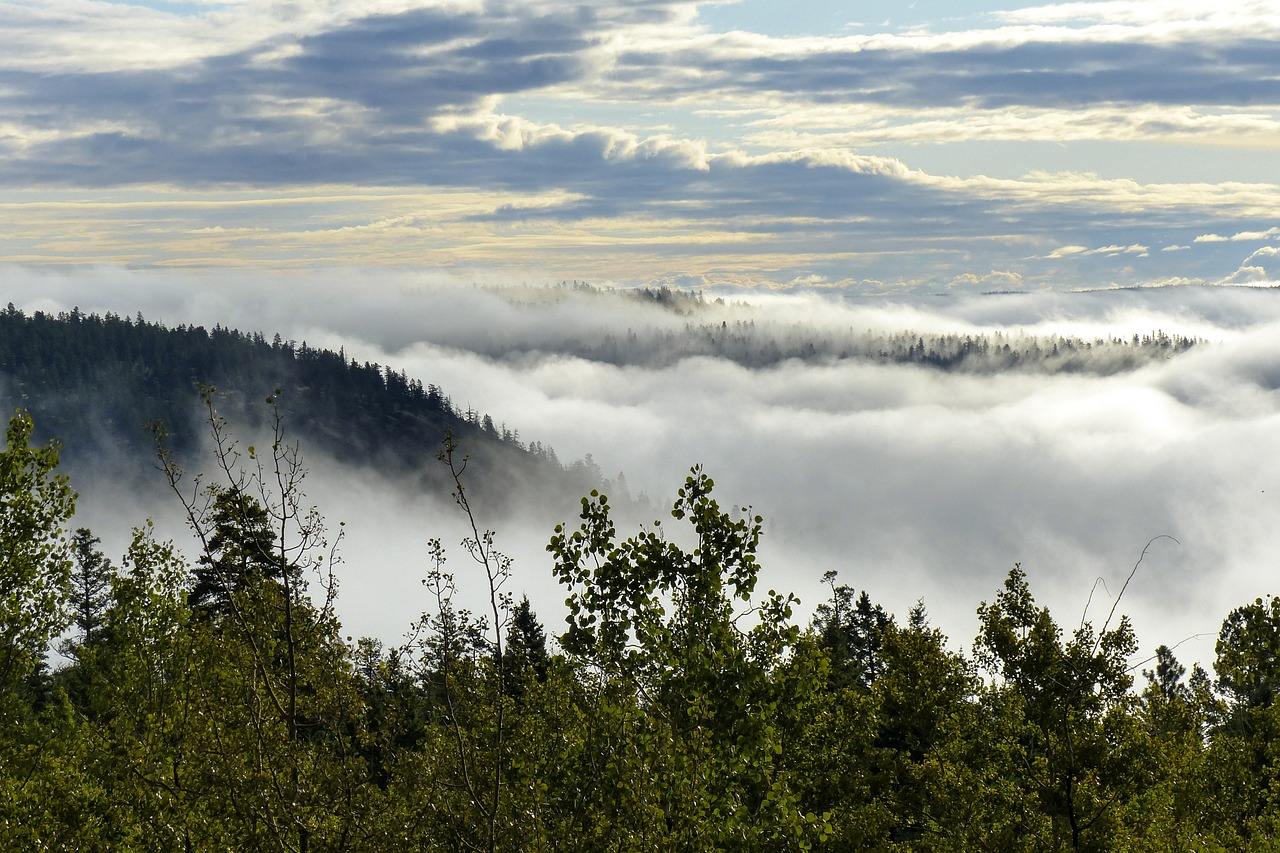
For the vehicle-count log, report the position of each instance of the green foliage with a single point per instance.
(213, 704)
(35, 567)
(658, 621)
(1248, 649)
(1073, 696)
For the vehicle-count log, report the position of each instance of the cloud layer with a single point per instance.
(912, 483)
(629, 142)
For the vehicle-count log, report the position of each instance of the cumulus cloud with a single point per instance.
(994, 280)
(1261, 266)
(1135, 249)
(1239, 236)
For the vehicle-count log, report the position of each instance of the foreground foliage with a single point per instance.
(214, 705)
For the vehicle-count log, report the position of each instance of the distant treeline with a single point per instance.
(743, 343)
(740, 339)
(999, 351)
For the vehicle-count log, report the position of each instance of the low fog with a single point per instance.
(912, 483)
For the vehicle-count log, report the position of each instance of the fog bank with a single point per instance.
(913, 483)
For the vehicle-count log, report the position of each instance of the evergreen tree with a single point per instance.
(240, 551)
(852, 633)
(90, 585)
(525, 653)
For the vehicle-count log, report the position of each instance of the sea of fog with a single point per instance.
(912, 483)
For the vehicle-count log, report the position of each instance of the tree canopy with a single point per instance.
(214, 703)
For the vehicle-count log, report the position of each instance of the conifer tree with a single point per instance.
(90, 585)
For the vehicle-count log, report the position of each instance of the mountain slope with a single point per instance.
(99, 383)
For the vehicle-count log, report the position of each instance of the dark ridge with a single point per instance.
(98, 383)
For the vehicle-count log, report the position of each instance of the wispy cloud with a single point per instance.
(627, 142)
(1239, 236)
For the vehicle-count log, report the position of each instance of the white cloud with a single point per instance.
(512, 133)
(995, 280)
(791, 125)
(1118, 250)
(1109, 251)
(1261, 266)
(1067, 251)
(1246, 236)
(909, 481)
(1238, 237)
(1159, 14)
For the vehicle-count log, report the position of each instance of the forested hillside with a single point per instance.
(714, 329)
(99, 384)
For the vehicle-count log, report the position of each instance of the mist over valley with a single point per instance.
(918, 446)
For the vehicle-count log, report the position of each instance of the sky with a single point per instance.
(345, 172)
(869, 147)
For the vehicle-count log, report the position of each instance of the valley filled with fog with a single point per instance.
(912, 481)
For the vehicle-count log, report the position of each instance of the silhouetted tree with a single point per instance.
(240, 551)
(90, 585)
(526, 649)
(852, 633)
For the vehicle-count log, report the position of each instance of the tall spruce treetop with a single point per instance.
(852, 633)
(90, 585)
(241, 550)
(526, 647)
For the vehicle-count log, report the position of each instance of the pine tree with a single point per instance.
(525, 655)
(852, 633)
(239, 551)
(90, 585)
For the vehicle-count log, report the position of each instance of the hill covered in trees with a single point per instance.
(99, 384)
